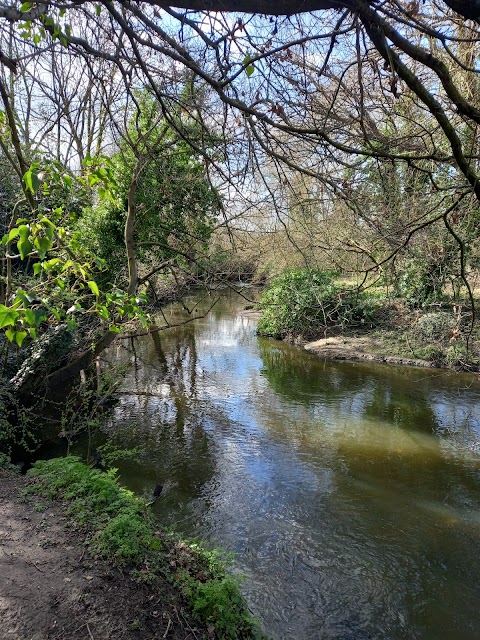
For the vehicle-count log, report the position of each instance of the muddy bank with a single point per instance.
(360, 348)
(51, 587)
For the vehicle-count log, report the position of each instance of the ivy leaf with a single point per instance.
(7, 316)
(26, 6)
(94, 287)
(20, 337)
(24, 245)
(10, 334)
(30, 317)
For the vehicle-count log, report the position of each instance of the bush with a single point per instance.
(434, 327)
(305, 301)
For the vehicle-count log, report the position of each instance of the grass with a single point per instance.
(120, 528)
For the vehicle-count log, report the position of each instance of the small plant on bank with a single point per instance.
(303, 302)
(6, 465)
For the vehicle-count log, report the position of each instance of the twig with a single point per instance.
(168, 628)
(35, 565)
(89, 632)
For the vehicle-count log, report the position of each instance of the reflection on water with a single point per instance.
(350, 492)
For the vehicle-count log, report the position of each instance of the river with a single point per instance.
(348, 492)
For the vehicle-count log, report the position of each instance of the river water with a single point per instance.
(349, 492)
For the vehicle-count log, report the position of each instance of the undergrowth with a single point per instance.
(302, 302)
(121, 529)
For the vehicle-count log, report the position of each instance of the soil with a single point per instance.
(51, 588)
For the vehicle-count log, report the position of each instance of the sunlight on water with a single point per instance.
(350, 492)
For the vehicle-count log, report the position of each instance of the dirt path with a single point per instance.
(50, 588)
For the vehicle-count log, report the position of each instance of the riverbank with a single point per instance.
(80, 557)
(397, 335)
(358, 348)
(402, 336)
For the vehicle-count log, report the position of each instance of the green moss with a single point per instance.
(121, 529)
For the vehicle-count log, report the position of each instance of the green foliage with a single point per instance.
(122, 531)
(305, 301)
(6, 464)
(218, 601)
(99, 503)
(431, 353)
(100, 229)
(456, 355)
(17, 425)
(176, 206)
(434, 327)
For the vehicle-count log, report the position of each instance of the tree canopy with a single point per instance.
(355, 113)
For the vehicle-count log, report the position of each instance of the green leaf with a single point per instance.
(20, 337)
(51, 263)
(7, 316)
(30, 317)
(249, 70)
(20, 298)
(114, 329)
(13, 233)
(94, 287)
(103, 313)
(33, 333)
(24, 245)
(26, 6)
(10, 334)
(48, 223)
(37, 267)
(43, 245)
(32, 181)
(98, 9)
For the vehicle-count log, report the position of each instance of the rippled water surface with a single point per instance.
(350, 492)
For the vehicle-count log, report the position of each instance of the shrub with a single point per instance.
(431, 353)
(434, 327)
(304, 301)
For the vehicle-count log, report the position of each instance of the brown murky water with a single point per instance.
(349, 492)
